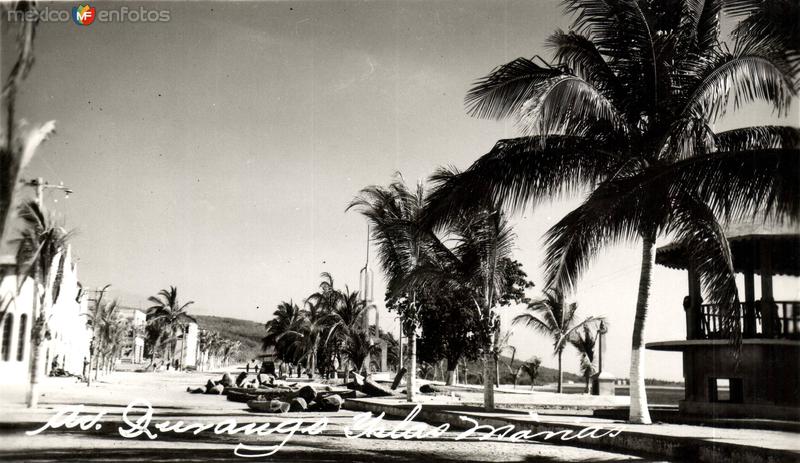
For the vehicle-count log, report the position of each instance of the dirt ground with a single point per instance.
(166, 391)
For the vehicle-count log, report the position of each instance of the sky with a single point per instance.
(217, 152)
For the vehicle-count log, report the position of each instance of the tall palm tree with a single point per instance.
(16, 148)
(170, 315)
(203, 344)
(93, 319)
(229, 350)
(626, 111)
(345, 317)
(396, 217)
(483, 241)
(215, 347)
(319, 307)
(40, 256)
(105, 320)
(552, 316)
(283, 332)
(584, 342)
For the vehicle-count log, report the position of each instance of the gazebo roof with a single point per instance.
(781, 240)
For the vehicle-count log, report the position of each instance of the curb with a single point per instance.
(632, 442)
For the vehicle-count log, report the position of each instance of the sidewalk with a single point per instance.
(673, 441)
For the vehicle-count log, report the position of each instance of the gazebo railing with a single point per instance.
(777, 319)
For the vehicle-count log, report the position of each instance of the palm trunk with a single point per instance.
(639, 412)
(496, 371)
(411, 378)
(488, 380)
(183, 349)
(452, 368)
(37, 338)
(97, 361)
(313, 359)
(560, 374)
(32, 398)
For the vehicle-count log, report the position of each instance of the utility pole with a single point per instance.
(92, 346)
(600, 333)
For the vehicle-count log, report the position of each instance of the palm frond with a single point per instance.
(580, 54)
(563, 102)
(739, 184)
(519, 172)
(700, 233)
(616, 211)
(503, 92)
(710, 82)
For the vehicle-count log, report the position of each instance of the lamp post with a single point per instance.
(40, 185)
(601, 331)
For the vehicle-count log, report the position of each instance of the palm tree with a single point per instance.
(626, 111)
(584, 342)
(345, 317)
(229, 349)
(105, 326)
(398, 231)
(319, 307)
(552, 316)
(483, 241)
(40, 256)
(17, 149)
(358, 347)
(531, 368)
(283, 332)
(216, 345)
(172, 317)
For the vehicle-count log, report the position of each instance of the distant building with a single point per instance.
(762, 381)
(133, 349)
(186, 348)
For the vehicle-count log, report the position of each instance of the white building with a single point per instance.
(133, 350)
(17, 298)
(69, 336)
(186, 348)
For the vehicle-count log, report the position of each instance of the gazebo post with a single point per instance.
(694, 313)
(767, 301)
(749, 303)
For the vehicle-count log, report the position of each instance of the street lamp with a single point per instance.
(41, 185)
(601, 331)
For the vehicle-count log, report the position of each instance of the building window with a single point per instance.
(5, 349)
(728, 390)
(23, 325)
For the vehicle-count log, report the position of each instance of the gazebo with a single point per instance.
(763, 380)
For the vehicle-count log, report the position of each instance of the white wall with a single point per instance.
(17, 302)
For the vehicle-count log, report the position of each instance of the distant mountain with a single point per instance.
(248, 332)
